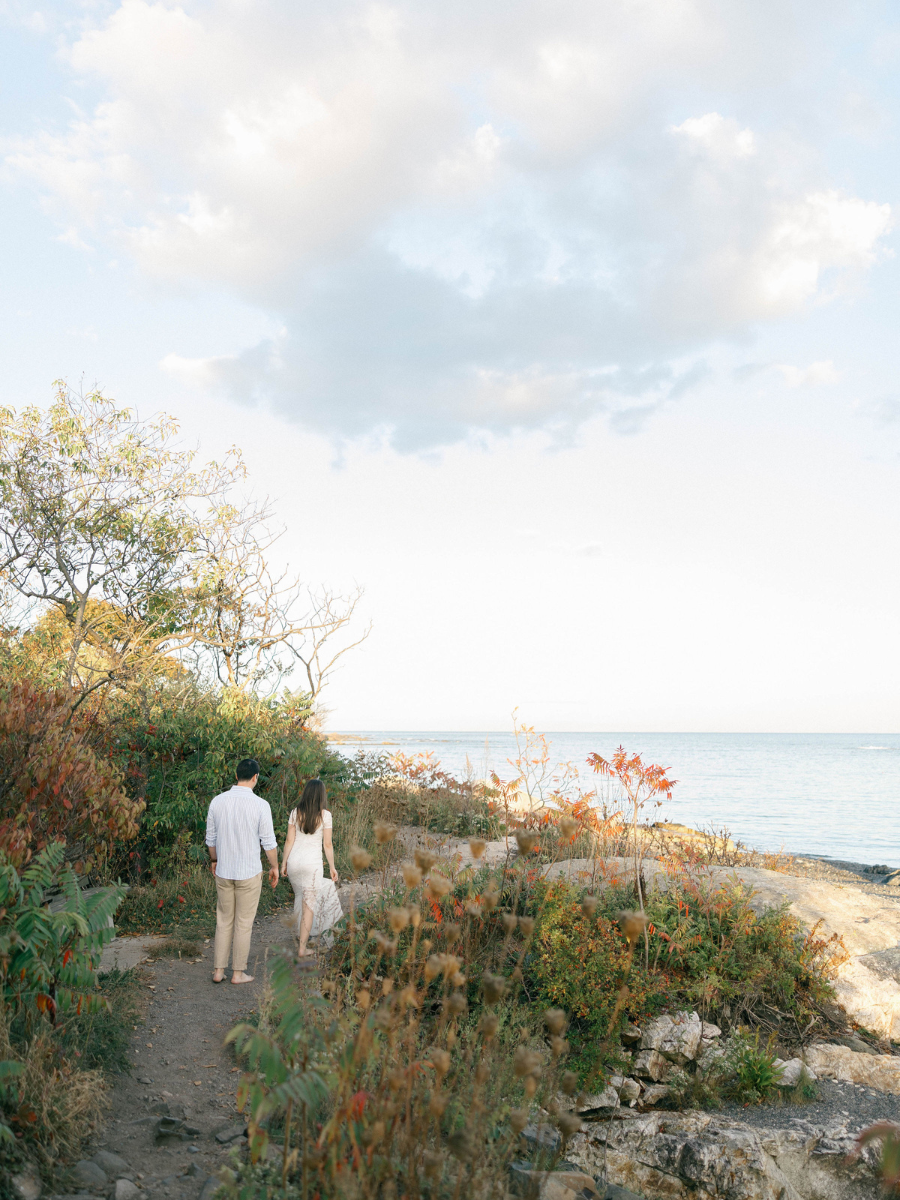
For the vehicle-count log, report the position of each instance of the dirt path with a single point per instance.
(183, 1071)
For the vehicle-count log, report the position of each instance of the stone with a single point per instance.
(26, 1185)
(650, 1064)
(126, 1190)
(655, 1032)
(653, 1094)
(878, 1071)
(631, 1034)
(224, 1136)
(698, 1156)
(681, 1042)
(630, 1090)
(793, 1071)
(90, 1177)
(210, 1188)
(708, 1030)
(551, 1185)
(607, 1099)
(114, 1166)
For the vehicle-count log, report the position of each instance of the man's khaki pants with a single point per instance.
(236, 905)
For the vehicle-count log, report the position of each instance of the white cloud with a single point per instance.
(814, 375)
(461, 220)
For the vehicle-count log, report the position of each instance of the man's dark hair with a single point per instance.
(246, 769)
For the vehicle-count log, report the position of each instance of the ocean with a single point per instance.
(831, 794)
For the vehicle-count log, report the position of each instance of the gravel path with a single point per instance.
(837, 1104)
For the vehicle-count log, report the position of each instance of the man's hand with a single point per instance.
(212, 865)
(273, 876)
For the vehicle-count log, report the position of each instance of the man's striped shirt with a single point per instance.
(237, 824)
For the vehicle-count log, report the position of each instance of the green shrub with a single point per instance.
(753, 1074)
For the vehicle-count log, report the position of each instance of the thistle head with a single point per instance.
(384, 832)
(477, 846)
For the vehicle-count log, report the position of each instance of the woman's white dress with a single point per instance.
(304, 868)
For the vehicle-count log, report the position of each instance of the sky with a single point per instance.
(568, 329)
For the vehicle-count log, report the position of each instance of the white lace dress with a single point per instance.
(304, 869)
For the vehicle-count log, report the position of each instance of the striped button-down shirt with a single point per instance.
(237, 824)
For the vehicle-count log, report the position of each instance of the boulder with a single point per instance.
(630, 1090)
(631, 1034)
(652, 1095)
(709, 1031)
(126, 1190)
(793, 1071)
(698, 1156)
(552, 1185)
(878, 1071)
(26, 1184)
(655, 1032)
(676, 1037)
(115, 1166)
(90, 1177)
(607, 1099)
(650, 1064)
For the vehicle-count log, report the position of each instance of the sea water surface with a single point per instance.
(831, 794)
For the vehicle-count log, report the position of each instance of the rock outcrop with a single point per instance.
(878, 1071)
(696, 1156)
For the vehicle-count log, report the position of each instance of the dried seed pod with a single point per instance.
(490, 897)
(384, 944)
(398, 918)
(364, 999)
(589, 905)
(384, 832)
(415, 918)
(396, 1080)
(568, 1083)
(451, 931)
(633, 925)
(438, 885)
(473, 908)
(450, 964)
(440, 1060)
(568, 827)
(482, 1073)
(559, 1046)
(526, 924)
(412, 875)
(424, 860)
(526, 841)
(433, 967)
(431, 1164)
(437, 1104)
(409, 997)
(530, 1085)
(517, 976)
(387, 986)
(568, 1123)
(489, 1024)
(510, 921)
(456, 1004)
(461, 1146)
(518, 1119)
(458, 979)
(361, 859)
(494, 988)
(555, 1020)
(525, 1062)
(477, 846)
(374, 1134)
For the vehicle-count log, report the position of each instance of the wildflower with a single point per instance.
(510, 921)
(477, 846)
(424, 860)
(438, 885)
(526, 841)
(555, 1020)
(568, 1123)
(399, 918)
(589, 905)
(525, 1062)
(633, 925)
(518, 1118)
(361, 859)
(456, 1004)
(494, 988)
(412, 875)
(568, 827)
(384, 832)
(440, 1060)
(489, 1025)
(526, 924)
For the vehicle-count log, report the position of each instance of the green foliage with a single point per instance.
(183, 905)
(100, 1035)
(53, 783)
(49, 960)
(753, 1074)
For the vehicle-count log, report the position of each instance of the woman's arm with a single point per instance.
(328, 845)
(288, 843)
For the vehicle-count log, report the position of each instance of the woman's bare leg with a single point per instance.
(306, 922)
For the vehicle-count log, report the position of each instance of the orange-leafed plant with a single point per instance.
(641, 783)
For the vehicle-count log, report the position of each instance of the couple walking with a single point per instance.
(238, 823)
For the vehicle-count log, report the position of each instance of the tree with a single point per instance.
(98, 519)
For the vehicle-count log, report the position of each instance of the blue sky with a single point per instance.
(567, 329)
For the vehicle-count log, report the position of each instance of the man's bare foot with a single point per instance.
(241, 977)
(218, 975)
(306, 953)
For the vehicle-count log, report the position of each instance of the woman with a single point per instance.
(309, 832)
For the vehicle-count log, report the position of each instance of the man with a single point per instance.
(237, 824)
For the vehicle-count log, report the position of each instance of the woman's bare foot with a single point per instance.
(241, 977)
(218, 975)
(306, 953)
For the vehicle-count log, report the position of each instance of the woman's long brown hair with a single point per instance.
(309, 810)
